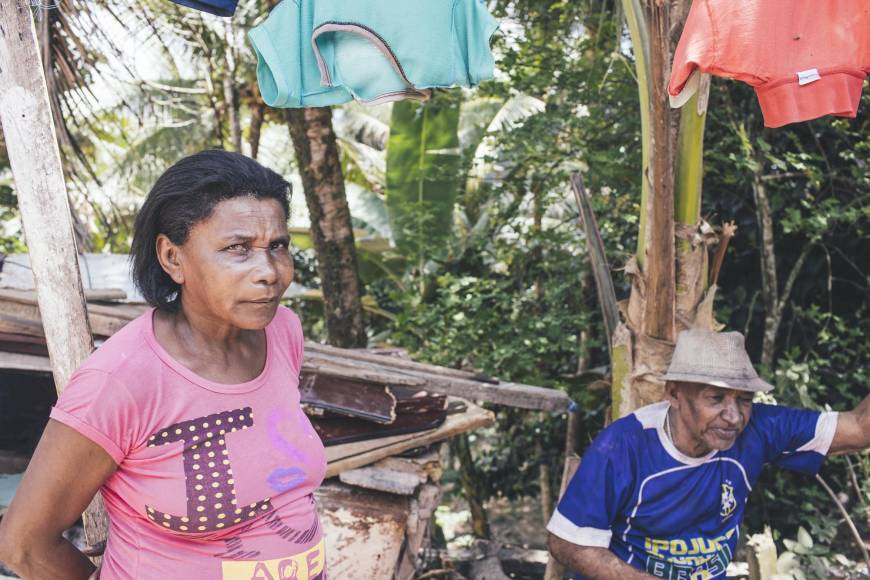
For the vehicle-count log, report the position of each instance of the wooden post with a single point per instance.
(25, 115)
(555, 570)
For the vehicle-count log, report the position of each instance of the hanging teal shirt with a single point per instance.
(374, 50)
(286, 67)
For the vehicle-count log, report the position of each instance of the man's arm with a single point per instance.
(595, 563)
(853, 430)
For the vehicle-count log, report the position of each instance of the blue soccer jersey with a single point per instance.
(675, 516)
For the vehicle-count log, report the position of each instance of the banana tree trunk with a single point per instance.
(669, 272)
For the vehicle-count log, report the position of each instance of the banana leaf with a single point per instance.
(423, 176)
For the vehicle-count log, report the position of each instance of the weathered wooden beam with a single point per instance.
(474, 418)
(104, 320)
(399, 363)
(14, 361)
(31, 145)
(383, 479)
(499, 393)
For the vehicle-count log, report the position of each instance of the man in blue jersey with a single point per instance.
(661, 492)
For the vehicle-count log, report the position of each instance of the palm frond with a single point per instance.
(352, 122)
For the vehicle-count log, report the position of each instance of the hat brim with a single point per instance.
(752, 385)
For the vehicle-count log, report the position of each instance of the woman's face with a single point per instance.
(236, 265)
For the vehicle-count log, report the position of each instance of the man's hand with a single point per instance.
(595, 563)
(853, 430)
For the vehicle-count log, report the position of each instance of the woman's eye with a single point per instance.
(237, 248)
(279, 245)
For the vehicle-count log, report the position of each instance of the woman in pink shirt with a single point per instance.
(188, 419)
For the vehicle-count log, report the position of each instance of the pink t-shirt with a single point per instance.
(214, 480)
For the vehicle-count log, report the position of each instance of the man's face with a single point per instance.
(709, 417)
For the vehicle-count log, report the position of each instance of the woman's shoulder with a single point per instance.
(125, 349)
(287, 322)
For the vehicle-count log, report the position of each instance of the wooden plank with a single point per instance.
(427, 464)
(417, 538)
(397, 362)
(349, 371)
(24, 362)
(338, 430)
(31, 145)
(366, 400)
(338, 452)
(21, 314)
(417, 400)
(474, 418)
(383, 479)
(105, 295)
(23, 344)
(502, 393)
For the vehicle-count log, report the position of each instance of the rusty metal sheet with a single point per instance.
(364, 531)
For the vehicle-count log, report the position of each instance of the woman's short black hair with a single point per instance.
(185, 195)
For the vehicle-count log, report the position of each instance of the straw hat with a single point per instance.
(714, 358)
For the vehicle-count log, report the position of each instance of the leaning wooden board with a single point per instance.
(474, 418)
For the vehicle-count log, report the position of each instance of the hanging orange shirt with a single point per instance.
(805, 58)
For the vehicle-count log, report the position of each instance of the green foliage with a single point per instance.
(519, 318)
(11, 241)
(423, 176)
(818, 185)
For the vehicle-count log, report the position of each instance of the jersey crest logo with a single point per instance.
(729, 504)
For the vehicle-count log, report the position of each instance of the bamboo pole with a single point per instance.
(25, 114)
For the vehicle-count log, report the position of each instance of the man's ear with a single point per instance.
(169, 256)
(672, 391)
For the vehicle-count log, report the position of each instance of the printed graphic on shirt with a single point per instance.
(287, 532)
(688, 558)
(211, 490)
(309, 565)
(286, 478)
(729, 504)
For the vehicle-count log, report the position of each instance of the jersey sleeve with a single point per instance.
(101, 409)
(216, 7)
(596, 494)
(694, 54)
(796, 439)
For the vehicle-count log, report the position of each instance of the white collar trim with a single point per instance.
(653, 417)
